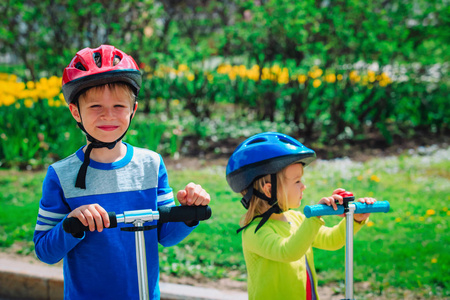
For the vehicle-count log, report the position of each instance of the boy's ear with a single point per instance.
(74, 111)
(268, 189)
(135, 109)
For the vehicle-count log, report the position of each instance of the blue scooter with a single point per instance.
(349, 208)
(138, 218)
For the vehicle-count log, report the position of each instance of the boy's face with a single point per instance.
(294, 185)
(105, 112)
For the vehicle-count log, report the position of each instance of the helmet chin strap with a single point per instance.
(94, 143)
(273, 202)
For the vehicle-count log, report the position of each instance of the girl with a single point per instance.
(267, 170)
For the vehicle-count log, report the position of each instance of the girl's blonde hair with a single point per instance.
(257, 205)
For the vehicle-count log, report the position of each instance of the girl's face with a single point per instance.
(105, 113)
(294, 187)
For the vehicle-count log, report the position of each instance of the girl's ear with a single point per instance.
(74, 111)
(268, 189)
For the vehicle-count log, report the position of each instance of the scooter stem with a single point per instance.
(141, 261)
(349, 252)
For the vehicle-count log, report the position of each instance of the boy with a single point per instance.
(100, 86)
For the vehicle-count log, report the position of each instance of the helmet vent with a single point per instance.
(256, 141)
(286, 141)
(80, 66)
(98, 59)
(116, 60)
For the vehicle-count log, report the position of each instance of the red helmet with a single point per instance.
(93, 67)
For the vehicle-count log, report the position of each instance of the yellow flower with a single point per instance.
(408, 213)
(183, 68)
(232, 76)
(316, 83)
(28, 103)
(331, 78)
(339, 77)
(301, 79)
(253, 74)
(223, 69)
(30, 85)
(175, 102)
(434, 260)
(8, 100)
(191, 77)
(360, 177)
(315, 72)
(431, 212)
(241, 70)
(283, 78)
(421, 219)
(448, 213)
(275, 69)
(353, 74)
(445, 209)
(370, 224)
(383, 83)
(397, 220)
(375, 178)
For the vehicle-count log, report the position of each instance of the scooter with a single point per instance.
(138, 218)
(349, 208)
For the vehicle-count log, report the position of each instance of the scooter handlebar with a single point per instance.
(166, 214)
(183, 213)
(360, 208)
(73, 225)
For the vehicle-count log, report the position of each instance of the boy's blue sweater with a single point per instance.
(102, 265)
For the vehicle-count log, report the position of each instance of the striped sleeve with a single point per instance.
(52, 207)
(165, 194)
(51, 242)
(170, 233)
(46, 220)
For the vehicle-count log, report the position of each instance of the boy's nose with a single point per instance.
(107, 113)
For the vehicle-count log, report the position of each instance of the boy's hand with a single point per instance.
(361, 217)
(92, 215)
(193, 194)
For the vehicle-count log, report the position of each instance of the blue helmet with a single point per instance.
(262, 154)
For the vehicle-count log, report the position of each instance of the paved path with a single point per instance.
(34, 281)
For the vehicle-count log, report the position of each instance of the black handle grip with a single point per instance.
(183, 213)
(73, 225)
(166, 214)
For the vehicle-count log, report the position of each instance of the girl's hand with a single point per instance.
(362, 217)
(193, 194)
(92, 215)
(331, 201)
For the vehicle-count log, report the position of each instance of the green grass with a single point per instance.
(406, 248)
(19, 201)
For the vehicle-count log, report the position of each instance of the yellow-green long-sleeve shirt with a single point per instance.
(275, 255)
